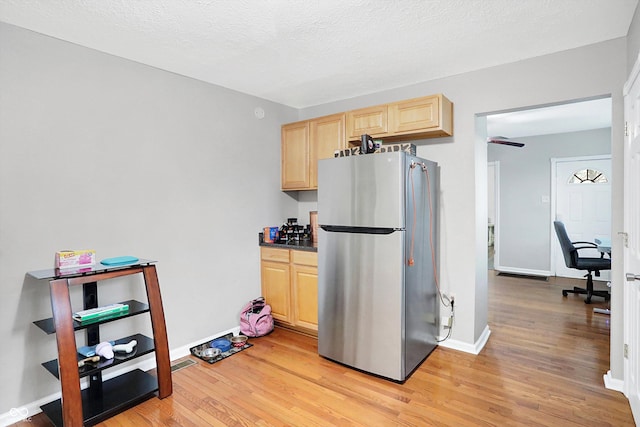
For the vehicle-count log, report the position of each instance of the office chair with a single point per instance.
(573, 260)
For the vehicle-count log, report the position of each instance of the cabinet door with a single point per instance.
(429, 116)
(295, 156)
(414, 114)
(326, 135)
(276, 289)
(371, 120)
(305, 296)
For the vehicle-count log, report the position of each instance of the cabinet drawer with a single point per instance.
(304, 258)
(273, 254)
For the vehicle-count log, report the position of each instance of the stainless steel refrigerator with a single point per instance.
(377, 250)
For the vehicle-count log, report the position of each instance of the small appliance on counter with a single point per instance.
(292, 232)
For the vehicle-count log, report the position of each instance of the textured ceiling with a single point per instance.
(305, 53)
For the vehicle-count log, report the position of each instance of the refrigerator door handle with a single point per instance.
(359, 230)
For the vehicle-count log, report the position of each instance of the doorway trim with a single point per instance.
(630, 292)
(496, 210)
(552, 234)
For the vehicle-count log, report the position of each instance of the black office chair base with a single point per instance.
(588, 293)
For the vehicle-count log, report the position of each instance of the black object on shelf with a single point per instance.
(144, 346)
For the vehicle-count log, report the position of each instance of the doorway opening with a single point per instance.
(525, 204)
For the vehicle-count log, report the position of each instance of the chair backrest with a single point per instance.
(568, 250)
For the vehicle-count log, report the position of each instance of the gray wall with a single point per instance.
(525, 176)
(97, 152)
(70, 112)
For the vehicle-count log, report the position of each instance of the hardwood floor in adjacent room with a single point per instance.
(542, 366)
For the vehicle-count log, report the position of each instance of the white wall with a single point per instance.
(491, 192)
(97, 152)
(633, 41)
(591, 71)
(525, 177)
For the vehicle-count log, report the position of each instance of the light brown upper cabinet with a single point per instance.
(326, 136)
(429, 114)
(304, 143)
(295, 156)
(425, 117)
(371, 120)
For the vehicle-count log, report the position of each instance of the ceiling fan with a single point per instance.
(504, 141)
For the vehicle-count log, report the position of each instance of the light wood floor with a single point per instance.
(543, 366)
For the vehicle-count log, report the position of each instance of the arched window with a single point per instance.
(588, 176)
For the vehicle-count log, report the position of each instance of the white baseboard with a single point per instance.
(612, 383)
(474, 348)
(523, 271)
(23, 412)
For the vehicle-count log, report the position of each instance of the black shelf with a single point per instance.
(144, 346)
(117, 394)
(135, 308)
(56, 273)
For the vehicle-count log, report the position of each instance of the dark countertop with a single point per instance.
(305, 245)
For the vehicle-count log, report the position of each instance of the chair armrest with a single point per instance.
(587, 245)
(584, 243)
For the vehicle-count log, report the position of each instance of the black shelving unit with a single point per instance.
(102, 399)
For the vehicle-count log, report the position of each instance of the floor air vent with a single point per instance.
(183, 364)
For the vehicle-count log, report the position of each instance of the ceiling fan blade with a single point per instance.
(504, 141)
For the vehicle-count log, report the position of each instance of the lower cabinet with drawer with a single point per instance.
(290, 287)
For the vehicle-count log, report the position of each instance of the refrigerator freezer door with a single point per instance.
(360, 301)
(362, 191)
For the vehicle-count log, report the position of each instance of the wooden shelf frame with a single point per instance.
(65, 326)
